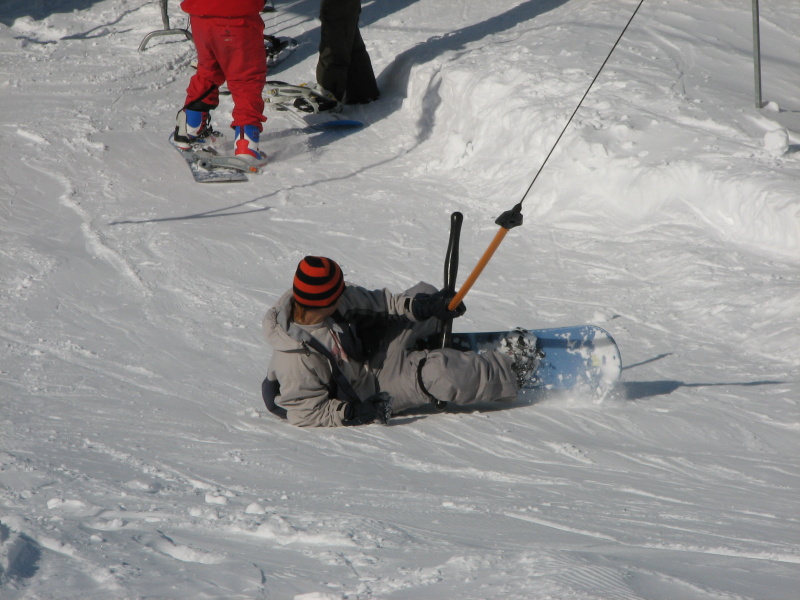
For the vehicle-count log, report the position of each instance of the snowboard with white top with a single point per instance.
(582, 357)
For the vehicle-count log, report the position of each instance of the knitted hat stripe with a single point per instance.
(321, 271)
(323, 277)
(321, 300)
(320, 286)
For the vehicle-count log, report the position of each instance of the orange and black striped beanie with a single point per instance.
(318, 282)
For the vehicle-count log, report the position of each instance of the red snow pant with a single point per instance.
(232, 50)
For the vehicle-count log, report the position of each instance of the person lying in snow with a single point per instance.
(345, 355)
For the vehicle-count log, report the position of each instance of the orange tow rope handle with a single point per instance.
(507, 221)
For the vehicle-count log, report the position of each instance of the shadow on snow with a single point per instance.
(11, 10)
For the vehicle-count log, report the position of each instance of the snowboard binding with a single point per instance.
(526, 354)
(302, 97)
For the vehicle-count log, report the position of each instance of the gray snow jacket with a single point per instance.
(303, 378)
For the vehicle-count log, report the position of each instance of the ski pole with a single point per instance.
(507, 221)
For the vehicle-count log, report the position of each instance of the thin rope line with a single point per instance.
(586, 93)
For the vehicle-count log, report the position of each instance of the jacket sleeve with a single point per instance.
(303, 391)
(360, 299)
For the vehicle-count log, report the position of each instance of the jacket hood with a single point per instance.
(279, 329)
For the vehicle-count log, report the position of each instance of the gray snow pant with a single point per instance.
(448, 375)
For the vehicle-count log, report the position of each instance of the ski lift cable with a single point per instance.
(580, 103)
(513, 218)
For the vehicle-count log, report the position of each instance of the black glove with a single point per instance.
(426, 306)
(377, 407)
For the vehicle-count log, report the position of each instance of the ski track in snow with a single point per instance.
(136, 459)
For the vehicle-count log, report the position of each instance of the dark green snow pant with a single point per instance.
(344, 67)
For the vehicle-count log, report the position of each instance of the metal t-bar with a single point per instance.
(507, 221)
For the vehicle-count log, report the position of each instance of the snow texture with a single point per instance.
(136, 457)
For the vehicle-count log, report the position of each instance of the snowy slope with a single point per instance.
(136, 458)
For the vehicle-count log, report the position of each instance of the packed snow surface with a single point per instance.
(136, 457)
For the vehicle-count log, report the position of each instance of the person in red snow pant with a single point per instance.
(229, 37)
